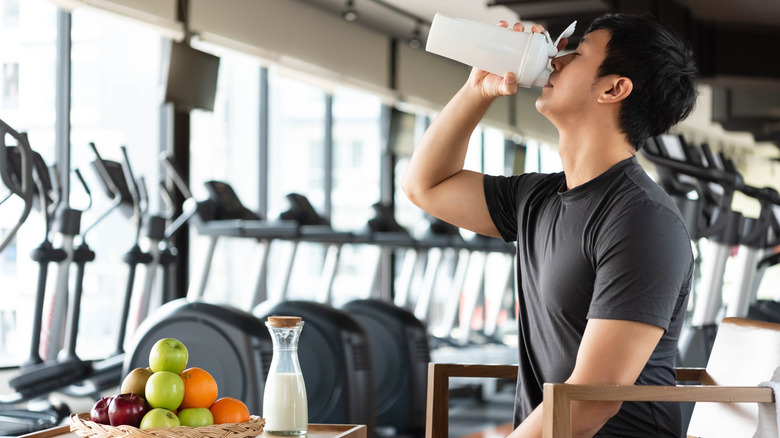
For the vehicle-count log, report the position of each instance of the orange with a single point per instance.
(200, 388)
(229, 410)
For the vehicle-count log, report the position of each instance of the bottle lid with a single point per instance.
(284, 321)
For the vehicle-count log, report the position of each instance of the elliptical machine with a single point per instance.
(22, 186)
(19, 167)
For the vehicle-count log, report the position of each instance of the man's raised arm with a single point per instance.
(435, 180)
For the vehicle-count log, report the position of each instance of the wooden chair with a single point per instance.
(745, 353)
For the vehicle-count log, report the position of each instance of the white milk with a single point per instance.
(284, 404)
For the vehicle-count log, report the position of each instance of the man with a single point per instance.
(604, 262)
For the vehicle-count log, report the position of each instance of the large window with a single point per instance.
(296, 165)
(297, 143)
(27, 59)
(115, 101)
(323, 142)
(225, 147)
(356, 148)
(407, 214)
(356, 187)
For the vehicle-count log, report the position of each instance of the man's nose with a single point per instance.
(558, 62)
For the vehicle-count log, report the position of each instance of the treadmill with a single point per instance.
(758, 238)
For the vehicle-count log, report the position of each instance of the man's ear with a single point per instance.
(619, 89)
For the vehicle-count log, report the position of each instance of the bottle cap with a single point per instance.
(569, 31)
(284, 321)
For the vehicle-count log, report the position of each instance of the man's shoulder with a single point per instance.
(527, 177)
(650, 193)
(526, 184)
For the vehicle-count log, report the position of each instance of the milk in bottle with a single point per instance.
(285, 406)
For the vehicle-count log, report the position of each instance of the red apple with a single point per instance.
(127, 409)
(99, 412)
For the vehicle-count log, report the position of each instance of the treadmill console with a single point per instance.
(226, 202)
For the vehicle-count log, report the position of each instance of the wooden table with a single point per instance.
(315, 431)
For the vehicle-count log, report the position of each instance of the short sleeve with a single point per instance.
(506, 195)
(501, 197)
(643, 265)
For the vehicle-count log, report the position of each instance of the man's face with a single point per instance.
(573, 87)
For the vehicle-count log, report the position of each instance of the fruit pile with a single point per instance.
(168, 394)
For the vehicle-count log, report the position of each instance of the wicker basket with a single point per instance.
(82, 426)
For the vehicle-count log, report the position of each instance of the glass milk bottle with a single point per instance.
(284, 402)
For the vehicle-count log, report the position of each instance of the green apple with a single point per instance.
(164, 389)
(196, 417)
(135, 381)
(159, 417)
(168, 354)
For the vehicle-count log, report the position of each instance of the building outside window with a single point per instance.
(11, 85)
(28, 35)
(356, 187)
(296, 165)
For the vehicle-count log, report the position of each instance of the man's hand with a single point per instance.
(435, 179)
(492, 86)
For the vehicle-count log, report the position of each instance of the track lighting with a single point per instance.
(350, 13)
(415, 41)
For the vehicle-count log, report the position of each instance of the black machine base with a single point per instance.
(400, 354)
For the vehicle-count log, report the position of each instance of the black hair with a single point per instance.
(661, 68)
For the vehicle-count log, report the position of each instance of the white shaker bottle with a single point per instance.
(495, 49)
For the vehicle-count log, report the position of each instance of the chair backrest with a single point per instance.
(745, 353)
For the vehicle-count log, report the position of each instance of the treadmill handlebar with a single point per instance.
(765, 194)
(728, 176)
(722, 177)
(719, 169)
(769, 261)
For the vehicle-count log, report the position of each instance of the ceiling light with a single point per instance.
(415, 41)
(350, 13)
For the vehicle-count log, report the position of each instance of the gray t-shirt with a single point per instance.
(612, 248)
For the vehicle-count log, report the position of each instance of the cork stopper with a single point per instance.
(284, 321)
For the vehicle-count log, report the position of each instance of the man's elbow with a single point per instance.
(411, 189)
(589, 417)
